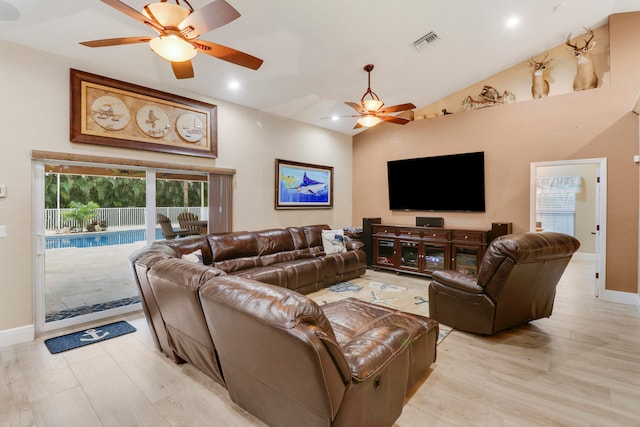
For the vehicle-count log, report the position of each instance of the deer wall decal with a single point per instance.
(586, 77)
(539, 86)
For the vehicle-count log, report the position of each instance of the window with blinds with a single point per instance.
(556, 203)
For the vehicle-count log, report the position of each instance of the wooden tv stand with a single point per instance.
(421, 250)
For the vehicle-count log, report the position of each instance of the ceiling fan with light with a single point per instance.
(178, 28)
(370, 107)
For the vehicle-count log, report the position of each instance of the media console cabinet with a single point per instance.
(421, 250)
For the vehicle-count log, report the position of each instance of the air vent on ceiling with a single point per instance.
(425, 40)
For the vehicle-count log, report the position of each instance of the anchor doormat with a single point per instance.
(88, 336)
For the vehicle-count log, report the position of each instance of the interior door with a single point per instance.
(590, 219)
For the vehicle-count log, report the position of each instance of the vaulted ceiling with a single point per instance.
(314, 52)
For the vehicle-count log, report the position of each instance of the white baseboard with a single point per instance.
(17, 335)
(620, 297)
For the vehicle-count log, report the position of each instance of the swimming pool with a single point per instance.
(106, 238)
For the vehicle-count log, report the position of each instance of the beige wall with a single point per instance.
(590, 124)
(35, 116)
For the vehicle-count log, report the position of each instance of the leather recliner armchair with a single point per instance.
(290, 362)
(516, 283)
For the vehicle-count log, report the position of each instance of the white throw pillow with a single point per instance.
(333, 241)
(195, 256)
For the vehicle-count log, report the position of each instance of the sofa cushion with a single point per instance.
(298, 237)
(304, 275)
(350, 316)
(237, 264)
(313, 233)
(279, 257)
(273, 241)
(345, 265)
(272, 274)
(275, 246)
(227, 246)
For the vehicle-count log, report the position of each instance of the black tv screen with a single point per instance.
(441, 183)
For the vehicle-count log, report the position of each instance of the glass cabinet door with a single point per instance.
(385, 251)
(466, 260)
(409, 254)
(435, 258)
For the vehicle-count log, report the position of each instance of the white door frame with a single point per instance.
(601, 212)
(39, 270)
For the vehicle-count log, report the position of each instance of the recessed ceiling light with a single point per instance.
(334, 118)
(512, 22)
(234, 84)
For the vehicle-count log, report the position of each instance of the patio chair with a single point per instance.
(187, 221)
(168, 231)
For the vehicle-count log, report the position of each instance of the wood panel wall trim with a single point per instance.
(69, 157)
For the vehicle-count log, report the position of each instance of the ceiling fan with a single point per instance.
(370, 107)
(178, 28)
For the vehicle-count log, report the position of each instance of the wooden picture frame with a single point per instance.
(110, 112)
(303, 185)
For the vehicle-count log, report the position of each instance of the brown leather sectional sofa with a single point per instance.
(241, 317)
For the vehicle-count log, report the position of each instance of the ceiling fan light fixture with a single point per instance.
(372, 104)
(173, 48)
(166, 14)
(369, 120)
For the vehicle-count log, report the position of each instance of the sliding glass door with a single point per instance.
(94, 217)
(89, 217)
(182, 198)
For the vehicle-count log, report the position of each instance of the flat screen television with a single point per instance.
(440, 183)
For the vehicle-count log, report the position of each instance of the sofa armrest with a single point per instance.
(462, 282)
(353, 245)
(372, 350)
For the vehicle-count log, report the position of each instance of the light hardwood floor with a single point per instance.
(580, 368)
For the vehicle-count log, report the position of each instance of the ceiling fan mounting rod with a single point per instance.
(368, 68)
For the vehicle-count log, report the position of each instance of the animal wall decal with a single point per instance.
(539, 85)
(490, 97)
(586, 77)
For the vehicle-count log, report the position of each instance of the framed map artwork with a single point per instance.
(105, 111)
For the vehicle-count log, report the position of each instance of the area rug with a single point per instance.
(411, 298)
(88, 336)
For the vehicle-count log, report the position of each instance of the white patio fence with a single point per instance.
(119, 217)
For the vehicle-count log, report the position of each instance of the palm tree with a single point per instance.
(81, 212)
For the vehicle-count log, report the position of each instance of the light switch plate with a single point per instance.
(3, 231)
(3, 191)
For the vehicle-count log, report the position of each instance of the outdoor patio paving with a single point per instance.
(79, 278)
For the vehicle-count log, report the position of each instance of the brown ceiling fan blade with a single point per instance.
(209, 17)
(356, 106)
(396, 108)
(129, 11)
(394, 119)
(116, 41)
(228, 54)
(182, 70)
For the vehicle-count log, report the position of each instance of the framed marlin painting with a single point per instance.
(303, 186)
